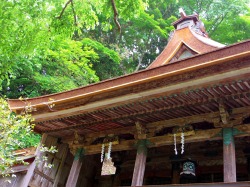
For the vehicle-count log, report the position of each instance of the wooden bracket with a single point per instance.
(111, 138)
(141, 131)
(186, 129)
(224, 114)
(78, 139)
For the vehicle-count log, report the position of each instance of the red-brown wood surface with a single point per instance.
(139, 169)
(74, 173)
(236, 184)
(229, 162)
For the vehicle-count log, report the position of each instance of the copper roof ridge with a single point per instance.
(203, 39)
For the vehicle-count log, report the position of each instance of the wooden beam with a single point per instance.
(199, 136)
(219, 184)
(26, 180)
(209, 117)
(43, 175)
(75, 169)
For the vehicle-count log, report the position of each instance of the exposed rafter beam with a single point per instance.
(135, 114)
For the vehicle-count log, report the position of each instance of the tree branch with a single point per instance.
(217, 22)
(139, 62)
(116, 15)
(74, 13)
(65, 6)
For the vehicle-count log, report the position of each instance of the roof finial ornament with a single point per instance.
(182, 12)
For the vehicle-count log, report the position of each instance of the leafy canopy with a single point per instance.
(15, 133)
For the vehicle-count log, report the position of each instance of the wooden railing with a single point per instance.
(235, 184)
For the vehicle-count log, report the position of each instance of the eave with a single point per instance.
(236, 51)
(113, 103)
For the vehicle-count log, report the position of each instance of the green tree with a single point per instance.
(29, 25)
(66, 65)
(142, 37)
(15, 133)
(108, 62)
(226, 21)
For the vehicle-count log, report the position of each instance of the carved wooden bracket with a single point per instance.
(141, 131)
(72, 150)
(224, 114)
(78, 139)
(111, 138)
(186, 129)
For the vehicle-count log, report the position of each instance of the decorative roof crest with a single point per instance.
(191, 21)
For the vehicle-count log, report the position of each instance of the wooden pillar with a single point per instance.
(26, 180)
(229, 155)
(75, 169)
(140, 163)
(175, 173)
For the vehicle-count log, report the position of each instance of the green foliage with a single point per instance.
(234, 30)
(29, 26)
(15, 133)
(107, 65)
(66, 65)
(24, 28)
(226, 20)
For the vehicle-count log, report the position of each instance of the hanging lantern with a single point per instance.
(188, 169)
(108, 167)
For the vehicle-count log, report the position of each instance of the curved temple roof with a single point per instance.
(190, 32)
(163, 90)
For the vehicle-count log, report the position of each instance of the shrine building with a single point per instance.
(183, 121)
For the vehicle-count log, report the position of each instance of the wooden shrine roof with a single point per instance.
(188, 87)
(187, 37)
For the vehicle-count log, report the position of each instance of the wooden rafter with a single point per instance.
(147, 112)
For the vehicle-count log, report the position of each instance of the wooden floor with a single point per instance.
(236, 184)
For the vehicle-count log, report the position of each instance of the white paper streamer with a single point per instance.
(102, 152)
(175, 149)
(182, 142)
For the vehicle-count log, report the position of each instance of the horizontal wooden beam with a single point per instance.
(199, 136)
(44, 175)
(219, 184)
